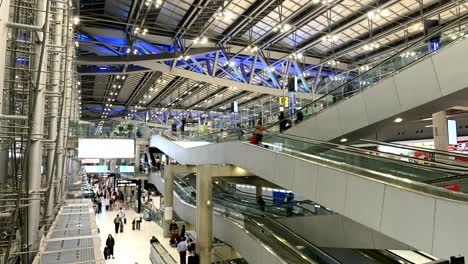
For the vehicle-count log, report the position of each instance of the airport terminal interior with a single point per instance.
(233, 131)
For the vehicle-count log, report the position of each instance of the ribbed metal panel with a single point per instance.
(69, 244)
(69, 256)
(71, 233)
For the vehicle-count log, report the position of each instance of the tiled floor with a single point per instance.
(131, 246)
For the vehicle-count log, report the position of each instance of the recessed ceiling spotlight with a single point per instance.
(398, 120)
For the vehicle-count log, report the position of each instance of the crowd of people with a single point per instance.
(183, 244)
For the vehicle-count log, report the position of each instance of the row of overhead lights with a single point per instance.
(150, 93)
(78, 84)
(396, 120)
(99, 127)
(113, 95)
(140, 31)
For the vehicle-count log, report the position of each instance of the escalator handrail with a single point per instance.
(440, 166)
(358, 151)
(435, 151)
(408, 184)
(244, 204)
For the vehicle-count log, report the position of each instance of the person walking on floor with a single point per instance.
(182, 249)
(117, 221)
(110, 242)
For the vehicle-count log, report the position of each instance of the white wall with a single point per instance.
(431, 79)
(336, 231)
(425, 222)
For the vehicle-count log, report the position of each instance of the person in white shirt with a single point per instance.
(121, 213)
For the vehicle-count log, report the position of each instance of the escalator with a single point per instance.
(380, 91)
(253, 221)
(384, 89)
(350, 181)
(244, 203)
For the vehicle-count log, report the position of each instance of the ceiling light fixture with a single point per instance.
(398, 120)
(343, 140)
(282, 28)
(371, 46)
(333, 62)
(330, 38)
(296, 56)
(252, 49)
(224, 15)
(378, 12)
(76, 20)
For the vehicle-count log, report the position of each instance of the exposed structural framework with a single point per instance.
(38, 104)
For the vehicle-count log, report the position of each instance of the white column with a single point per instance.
(137, 157)
(68, 86)
(440, 129)
(204, 212)
(168, 198)
(37, 127)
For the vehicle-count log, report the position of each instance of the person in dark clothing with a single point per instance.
(182, 231)
(191, 246)
(182, 127)
(282, 122)
(174, 127)
(117, 221)
(154, 240)
(261, 203)
(290, 203)
(106, 253)
(110, 243)
(99, 205)
(299, 116)
(173, 226)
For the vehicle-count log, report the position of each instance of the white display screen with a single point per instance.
(126, 169)
(96, 169)
(452, 132)
(93, 148)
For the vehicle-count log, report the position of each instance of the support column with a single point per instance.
(137, 157)
(440, 128)
(4, 147)
(204, 212)
(68, 86)
(168, 198)
(54, 105)
(39, 77)
(259, 191)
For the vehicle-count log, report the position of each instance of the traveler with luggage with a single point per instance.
(117, 222)
(110, 243)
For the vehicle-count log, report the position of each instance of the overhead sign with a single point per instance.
(122, 183)
(284, 101)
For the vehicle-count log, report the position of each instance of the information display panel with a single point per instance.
(93, 148)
